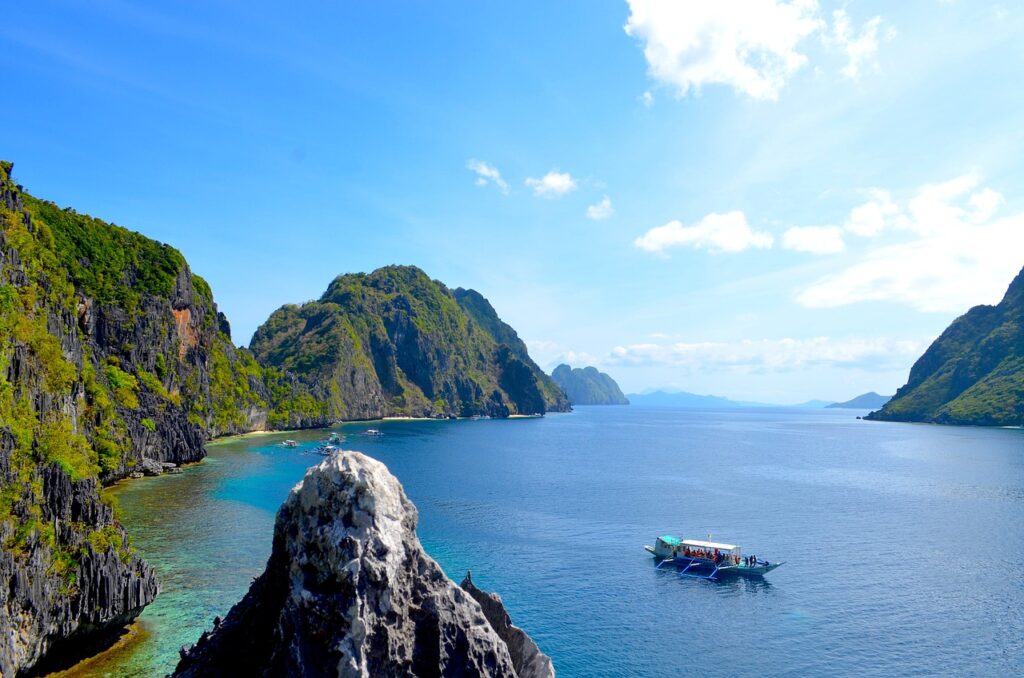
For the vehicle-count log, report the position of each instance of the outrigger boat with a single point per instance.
(290, 443)
(697, 558)
(373, 432)
(334, 438)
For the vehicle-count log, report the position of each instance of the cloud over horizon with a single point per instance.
(769, 355)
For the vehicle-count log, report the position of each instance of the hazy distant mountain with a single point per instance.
(673, 398)
(587, 386)
(684, 399)
(973, 373)
(865, 401)
(815, 404)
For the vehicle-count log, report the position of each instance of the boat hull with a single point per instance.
(699, 565)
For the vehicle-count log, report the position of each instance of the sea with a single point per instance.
(903, 544)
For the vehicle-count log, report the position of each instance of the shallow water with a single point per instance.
(903, 544)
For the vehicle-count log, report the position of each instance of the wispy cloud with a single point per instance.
(601, 210)
(554, 184)
(860, 47)
(716, 232)
(487, 174)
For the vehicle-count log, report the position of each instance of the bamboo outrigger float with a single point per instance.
(697, 558)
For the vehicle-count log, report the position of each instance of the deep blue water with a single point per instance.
(904, 544)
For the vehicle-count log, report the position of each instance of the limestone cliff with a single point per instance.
(973, 373)
(349, 591)
(69, 414)
(587, 386)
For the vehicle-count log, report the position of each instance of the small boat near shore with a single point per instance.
(707, 559)
(373, 432)
(289, 443)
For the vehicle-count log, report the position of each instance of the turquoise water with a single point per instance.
(903, 544)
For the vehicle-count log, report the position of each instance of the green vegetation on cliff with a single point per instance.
(587, 386)
(973, 373)
(68, 403)
(395, 342)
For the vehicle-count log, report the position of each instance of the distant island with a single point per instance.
(588, 386)
(674, 398)
(973, 373)
(865, 401)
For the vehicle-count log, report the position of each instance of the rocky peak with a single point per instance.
(349, 591)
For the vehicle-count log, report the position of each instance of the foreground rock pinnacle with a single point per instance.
(349, 591)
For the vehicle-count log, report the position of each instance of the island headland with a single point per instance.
(588, 386)
(973, 373)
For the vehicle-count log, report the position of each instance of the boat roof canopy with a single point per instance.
(708, 545)
(670, 540)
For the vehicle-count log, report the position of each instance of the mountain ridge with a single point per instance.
(865, 401)
(394, 342)
(973, 373)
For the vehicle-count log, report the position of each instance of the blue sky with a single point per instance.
(760, 199)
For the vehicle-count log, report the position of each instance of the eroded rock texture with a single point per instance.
(349, 591)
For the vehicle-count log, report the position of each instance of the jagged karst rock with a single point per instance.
(64, 614)
(527, 659)
(349, 591)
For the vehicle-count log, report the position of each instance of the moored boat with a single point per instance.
(707, 559)
(289, 443)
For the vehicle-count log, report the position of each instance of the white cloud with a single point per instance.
(750, 45)
(647, 99)
(487, 174)
(954, 254)
(727, 232)
(769, 355)
(814, 239)
(554, 184)
(860, 48)
(869, 219)
(601, 210)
